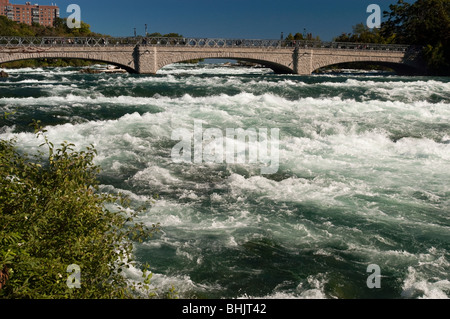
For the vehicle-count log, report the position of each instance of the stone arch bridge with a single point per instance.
(148, 55)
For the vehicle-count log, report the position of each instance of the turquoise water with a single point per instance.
(364, 171)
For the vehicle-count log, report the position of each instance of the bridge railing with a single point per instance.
(37, 42)
(206, 42)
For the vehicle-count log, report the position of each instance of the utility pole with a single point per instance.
(146, 33)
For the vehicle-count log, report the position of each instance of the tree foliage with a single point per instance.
(298, 37)
(424, 22)
(59, 29)
(52, 216)
(362, 34)
(168, 35)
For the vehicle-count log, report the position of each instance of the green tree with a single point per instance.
(290, 37)
(423, 22)
(59, 29)
(298, 36)
(155, 35)
(172, 35)
(362, 34)
(168, 35)
(52, 216)
(426, 23)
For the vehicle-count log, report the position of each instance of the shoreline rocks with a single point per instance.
(3, 74)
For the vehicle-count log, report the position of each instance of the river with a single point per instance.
(363, 175)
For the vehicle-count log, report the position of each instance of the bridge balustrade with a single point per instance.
(30, 42)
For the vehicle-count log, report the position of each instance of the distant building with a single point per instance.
(29, 13)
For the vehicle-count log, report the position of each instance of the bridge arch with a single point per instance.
(279, 63)
(399, 68)
(123, 59)
(276, 68)
(400, 61)
(117, 64)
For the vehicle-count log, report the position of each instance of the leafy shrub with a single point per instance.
(52, 215)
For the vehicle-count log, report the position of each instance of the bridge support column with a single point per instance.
(303, 59)
(146, 59)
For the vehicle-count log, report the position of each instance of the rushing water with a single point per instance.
(363, 175)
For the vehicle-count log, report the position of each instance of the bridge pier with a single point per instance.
(145, 59)
(303, 61)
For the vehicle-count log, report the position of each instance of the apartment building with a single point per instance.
(29, 13)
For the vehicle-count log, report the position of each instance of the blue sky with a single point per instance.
(255, 19)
